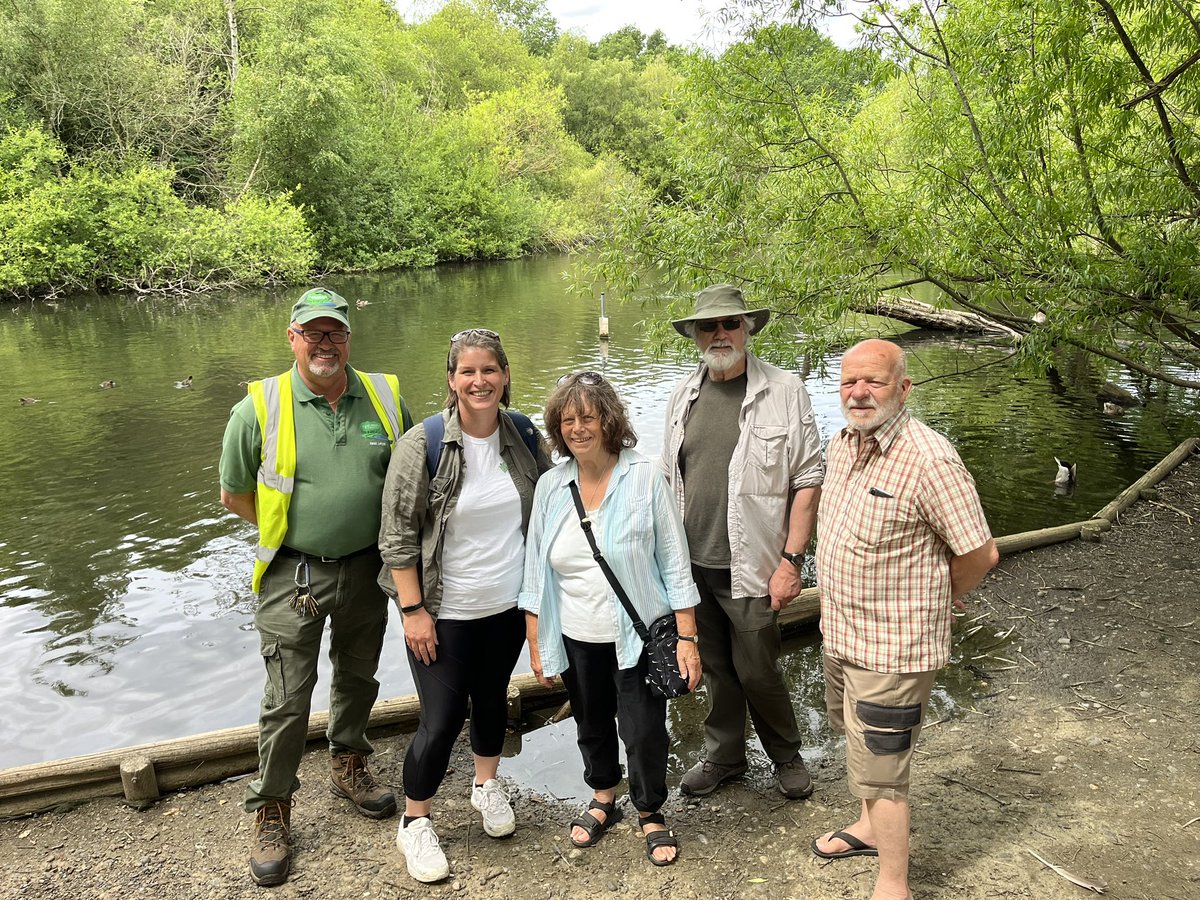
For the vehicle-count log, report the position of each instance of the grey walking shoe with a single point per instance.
(793, 779)
(352, 780)
(704, 777)
(270, 847)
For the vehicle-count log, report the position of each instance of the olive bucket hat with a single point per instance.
(721, 301)
(320, 303)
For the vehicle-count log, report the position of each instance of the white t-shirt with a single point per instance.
(584, 607)
(483, 551)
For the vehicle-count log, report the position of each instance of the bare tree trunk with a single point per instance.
(924, 315)
(231, 18)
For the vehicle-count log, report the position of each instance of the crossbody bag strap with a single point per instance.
(638, 625)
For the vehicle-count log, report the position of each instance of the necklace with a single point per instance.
(601, 481)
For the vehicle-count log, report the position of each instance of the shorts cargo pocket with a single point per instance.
(899, 719)
(275, 693)
(882, 743)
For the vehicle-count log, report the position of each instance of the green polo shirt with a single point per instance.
(341, 460)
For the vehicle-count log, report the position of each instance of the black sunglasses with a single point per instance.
(727, 324)
(589, 378)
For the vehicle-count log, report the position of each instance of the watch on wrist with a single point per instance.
(690, 638)
(796, 559)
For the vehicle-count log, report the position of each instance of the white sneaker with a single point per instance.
(489, 798)
(422, 852)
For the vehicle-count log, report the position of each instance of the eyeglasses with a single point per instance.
(727, 324)
(484, 332)
(315, 337)
(588, 378)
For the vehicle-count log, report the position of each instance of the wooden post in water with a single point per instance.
(603, 319)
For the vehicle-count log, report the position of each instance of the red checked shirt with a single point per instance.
(895, 507)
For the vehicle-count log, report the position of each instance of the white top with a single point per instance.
(484, 551)
(587, 613)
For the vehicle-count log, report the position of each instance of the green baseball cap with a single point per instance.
(320, 303)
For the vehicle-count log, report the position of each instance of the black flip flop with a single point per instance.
(857, 847)
(594, 827)
(660, 838)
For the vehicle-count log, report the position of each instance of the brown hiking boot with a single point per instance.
(350, 779)
(793, 779)
(704, 777)
(270, 850)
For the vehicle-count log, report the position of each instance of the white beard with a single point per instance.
(722, 361)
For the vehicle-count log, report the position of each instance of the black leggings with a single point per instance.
(475, 659)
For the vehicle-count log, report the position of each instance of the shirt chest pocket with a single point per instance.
(878, 521)
(766, 470)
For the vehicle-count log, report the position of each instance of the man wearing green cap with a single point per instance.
(304, 459)
(743, 453)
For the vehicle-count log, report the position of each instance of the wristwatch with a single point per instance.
(690, 638)
(796, 559)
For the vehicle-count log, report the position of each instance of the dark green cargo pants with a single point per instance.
(349, 598)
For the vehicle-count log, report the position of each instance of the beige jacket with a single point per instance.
(778, 452)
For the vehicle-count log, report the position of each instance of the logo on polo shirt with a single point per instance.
(374, 433)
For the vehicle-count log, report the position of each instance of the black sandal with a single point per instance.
(660, 838)
(594, 827)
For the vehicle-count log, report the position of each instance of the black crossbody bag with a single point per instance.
(662, 637)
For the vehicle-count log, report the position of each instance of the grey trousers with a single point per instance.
(349, 598)
(740, 645)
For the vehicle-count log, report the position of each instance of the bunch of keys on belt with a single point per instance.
(303, 601)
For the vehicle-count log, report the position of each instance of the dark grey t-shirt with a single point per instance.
(709, 439)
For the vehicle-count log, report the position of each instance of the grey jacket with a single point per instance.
(778, 452)
(415, 507)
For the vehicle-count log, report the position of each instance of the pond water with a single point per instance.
(125, 609)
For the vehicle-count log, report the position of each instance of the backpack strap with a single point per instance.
(528, 432)
(435, 432)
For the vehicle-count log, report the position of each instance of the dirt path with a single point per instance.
(1083, 745)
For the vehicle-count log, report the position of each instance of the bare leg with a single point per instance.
(889, 824)
(485, 767)
(414, 808)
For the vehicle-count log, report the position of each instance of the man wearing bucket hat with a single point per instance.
(743, 454)
(304, 459)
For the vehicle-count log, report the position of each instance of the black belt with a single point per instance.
(285, 550)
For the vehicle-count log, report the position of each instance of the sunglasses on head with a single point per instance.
(467, 332)
(590, 378)
(727, 324)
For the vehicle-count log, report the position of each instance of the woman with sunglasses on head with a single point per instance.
(457, 503)
(575, 624)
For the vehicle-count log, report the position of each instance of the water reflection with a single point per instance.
(125, 608)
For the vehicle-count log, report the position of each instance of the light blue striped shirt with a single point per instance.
(643, 542)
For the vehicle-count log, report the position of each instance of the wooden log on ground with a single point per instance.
(1127, 497)
(1041, 537)
(190, 761)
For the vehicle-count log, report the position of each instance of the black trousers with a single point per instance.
(475, 659)
(606, 700)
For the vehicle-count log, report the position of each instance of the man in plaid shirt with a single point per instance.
(901, 537)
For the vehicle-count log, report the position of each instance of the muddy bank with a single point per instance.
(1081, 745)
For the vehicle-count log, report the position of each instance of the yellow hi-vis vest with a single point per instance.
(272, 398)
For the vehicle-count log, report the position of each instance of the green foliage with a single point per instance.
(186, 143)
(103, 227)
(1019, 155)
